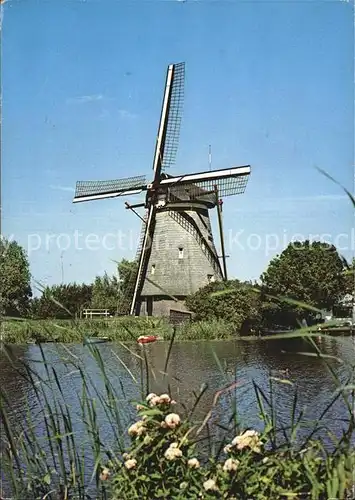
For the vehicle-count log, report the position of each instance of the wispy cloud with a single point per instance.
(62, 188)
(126, 115)
(83, 99)
(123, 114)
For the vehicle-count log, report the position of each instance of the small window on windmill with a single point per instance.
(181, 252)
(153, 269)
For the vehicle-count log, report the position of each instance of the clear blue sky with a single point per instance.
(267, 83)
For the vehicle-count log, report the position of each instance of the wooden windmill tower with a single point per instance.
(176, 255)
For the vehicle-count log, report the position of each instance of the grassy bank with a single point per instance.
(164, 451)
(124, 328)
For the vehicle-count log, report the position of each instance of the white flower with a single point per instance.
(173, 453)
(183, 485)
(126, 456)
(230, 465)
(137, 429)
(131, 463)
(154, 401)
(249, 439)
(265, 460)
(251, 433)
(105, 473)
(140, 407)
(227, 448)
(172, 420)
(210, 485)
(193, 463)
(150, 396)
(174, 445)
(164, 398)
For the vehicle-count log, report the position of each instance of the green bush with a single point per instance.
(162, 462)
(232, 301)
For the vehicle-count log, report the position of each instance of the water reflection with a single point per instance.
(13, 381)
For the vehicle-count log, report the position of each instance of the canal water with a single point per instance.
(226, 371)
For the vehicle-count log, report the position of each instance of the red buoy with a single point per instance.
(146, 339)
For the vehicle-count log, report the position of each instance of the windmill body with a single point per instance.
(176, 255)
(183, 258)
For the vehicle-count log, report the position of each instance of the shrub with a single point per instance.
(162, 462)
(231, 301)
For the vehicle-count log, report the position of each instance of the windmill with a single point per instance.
(176, 254)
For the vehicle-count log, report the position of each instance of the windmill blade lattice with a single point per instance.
(174, 116)
(116, 186)
(229, 182)
(226, 187)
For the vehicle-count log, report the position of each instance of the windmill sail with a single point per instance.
(94, 190)
(170, 119)
(229, 181)
(174, 116)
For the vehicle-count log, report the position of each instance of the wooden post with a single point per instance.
(220, 227)
(136, 213)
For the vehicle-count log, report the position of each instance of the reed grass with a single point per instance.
(124, 329)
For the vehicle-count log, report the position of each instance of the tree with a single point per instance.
(15, 279)
(232, 301)
(349, 273)
(110, 292)
(309, 272)
(127, 271)
(105, 293)
(62, 301)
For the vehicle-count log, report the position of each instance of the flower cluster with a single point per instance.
(137, 429)
(163, 419)
(231, 465)
(105, 474)
(210, 485)
(248, 439)
(154, 400)
(193, 463)
(130, 463)
(171, 421)
(173, 452)
(160, 440)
